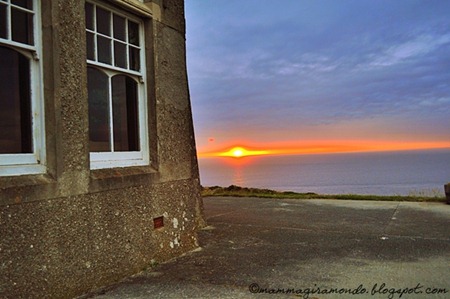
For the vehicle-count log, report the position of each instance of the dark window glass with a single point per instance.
(103, 21)
(134, 59)
(24, 3)
(89, 13)
(15, 103)
(125, 114)
(119, 27)
(90, 48)
(99, 130)
(104, 49)
(3, 21)
(133, 33)
(120, 55)
(22, 27)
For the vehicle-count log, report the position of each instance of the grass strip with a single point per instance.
(238, 191)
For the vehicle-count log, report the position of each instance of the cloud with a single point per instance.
(409, 50)
(256, 69)
(307, 64)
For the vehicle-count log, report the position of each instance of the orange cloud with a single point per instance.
(321, 147)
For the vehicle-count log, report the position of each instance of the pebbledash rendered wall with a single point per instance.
(73, 230)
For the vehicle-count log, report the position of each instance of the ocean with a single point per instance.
(376, 173)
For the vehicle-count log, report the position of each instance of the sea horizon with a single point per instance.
(401, 172)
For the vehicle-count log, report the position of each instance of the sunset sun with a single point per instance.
(240, 152)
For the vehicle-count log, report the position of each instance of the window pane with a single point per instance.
(22, 27)
(133, 33)
(3, 21)
(125, 114)
(103, 21)
(119, 27)
(24, 3)
(89, 13)
(104, 49)
(134, 59)
(120, 55)
(99, 131)
(90, 48)
(15, 103)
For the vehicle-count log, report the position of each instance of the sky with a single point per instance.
(297, 76)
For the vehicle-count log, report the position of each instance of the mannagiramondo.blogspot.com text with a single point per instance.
(377, 289)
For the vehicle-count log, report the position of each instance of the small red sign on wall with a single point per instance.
(158, 222)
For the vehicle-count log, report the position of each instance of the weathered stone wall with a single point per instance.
(73, 230)
(64, 247)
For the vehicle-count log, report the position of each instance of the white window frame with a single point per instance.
(35, 162)
(100, 160)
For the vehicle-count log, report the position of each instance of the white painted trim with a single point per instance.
(127, 17)
(18, 159)
(20, 7)
(16, 170)
(113, 68)
(17, 45)
(39, 109)
(117, 163)
(107, 156)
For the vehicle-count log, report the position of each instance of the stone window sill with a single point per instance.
(27, 188)
(118, 178)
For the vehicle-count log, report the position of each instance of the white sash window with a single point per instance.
(116, 88)
(21, 100)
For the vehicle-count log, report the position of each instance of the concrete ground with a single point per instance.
(271, 248)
